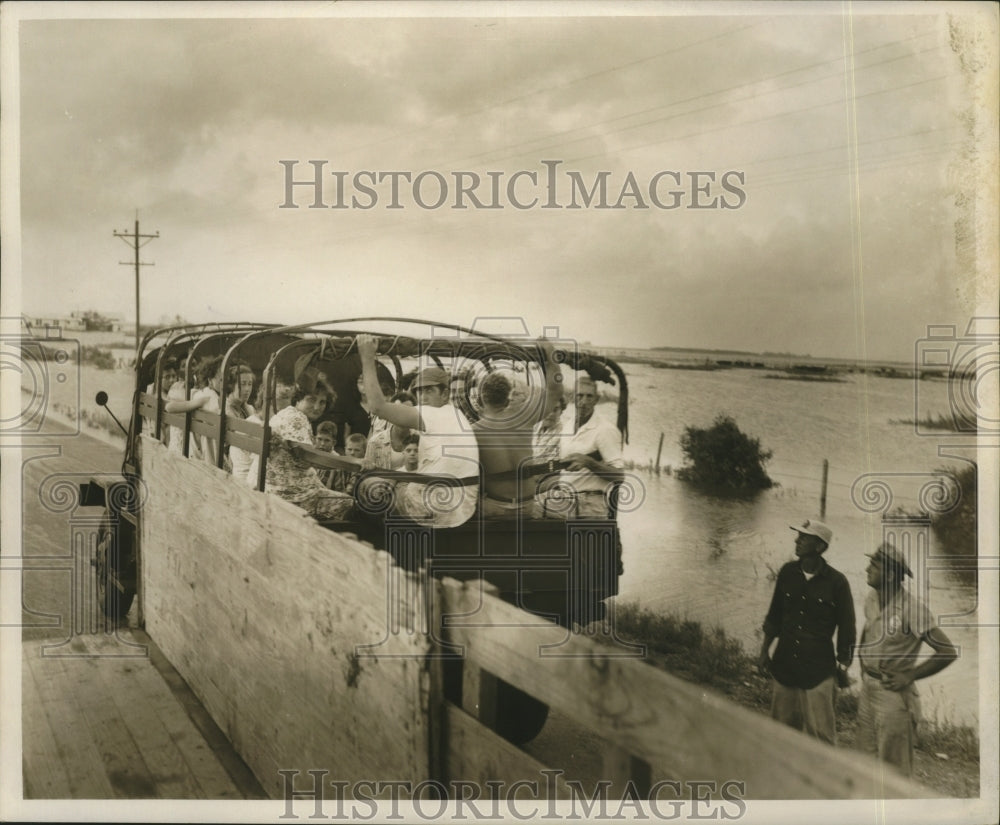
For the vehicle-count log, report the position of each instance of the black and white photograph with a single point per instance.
(504, 411)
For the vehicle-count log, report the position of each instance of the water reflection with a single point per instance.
(714, 560)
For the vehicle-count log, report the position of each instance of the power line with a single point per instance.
(808, 174)
(691, 112)
(136, 240)
(408, 135)
(755, 121)
(752, 96)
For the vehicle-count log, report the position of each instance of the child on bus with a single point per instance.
(326, 437)
(411, 452)
(205, 396)
(354, 447)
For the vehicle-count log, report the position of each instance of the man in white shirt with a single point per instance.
(592, 446)
(447, 444)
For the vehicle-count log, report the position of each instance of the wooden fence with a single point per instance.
(656, 726)
(313, 652)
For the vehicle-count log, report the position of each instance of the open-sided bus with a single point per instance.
(529, 560)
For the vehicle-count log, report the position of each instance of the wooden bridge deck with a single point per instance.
(106, 717)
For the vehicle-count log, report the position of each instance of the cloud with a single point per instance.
(186, 121)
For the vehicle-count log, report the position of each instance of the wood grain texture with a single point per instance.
(680, 729)
(101, 723)
(309, 650)
(476, 754)
(77, 750)
(282, 628)
(45, 775)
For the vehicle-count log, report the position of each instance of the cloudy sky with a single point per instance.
(844, 138)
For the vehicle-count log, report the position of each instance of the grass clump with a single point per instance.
(711, 658)
(936, 736)
(686, 647)
(955, 520)
(956, 528)
(97, 357)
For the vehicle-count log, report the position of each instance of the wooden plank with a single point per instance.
(78, 752)
(474, 753)
(211, 777)
(479, 694)
(173, 419)
(247, 435)
(45, 775)
(620, 767)
(123, 762)
(676, 726)
(205, 423)
(221, 747)
(147, 405)
(281, 628)
(171, 775)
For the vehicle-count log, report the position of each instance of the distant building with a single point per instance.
(41, 326)
(97, 321)
(76, 321)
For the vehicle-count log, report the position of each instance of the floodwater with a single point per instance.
(713, 560)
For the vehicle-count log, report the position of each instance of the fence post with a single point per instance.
(822, 492)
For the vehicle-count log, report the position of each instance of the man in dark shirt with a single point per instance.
(811, 602)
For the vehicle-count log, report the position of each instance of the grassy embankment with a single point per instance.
(74, 401)
(948, 753)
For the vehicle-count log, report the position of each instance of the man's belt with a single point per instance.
(537, 468)
(525, 471)
(509, 499)
(331, 461)
(872, 672)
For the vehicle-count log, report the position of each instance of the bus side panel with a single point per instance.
(297, 639)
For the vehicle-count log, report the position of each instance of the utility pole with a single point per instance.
(135, 240)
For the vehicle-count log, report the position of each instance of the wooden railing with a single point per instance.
(313, 651)
(657, 727)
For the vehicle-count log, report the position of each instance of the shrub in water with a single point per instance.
(724, 460)
(98, 357)
(956, 528)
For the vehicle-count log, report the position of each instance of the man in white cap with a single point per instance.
(811, 603)
(897, 624)
(447, 444)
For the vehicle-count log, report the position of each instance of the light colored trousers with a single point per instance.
(887, 723)
(810, 710)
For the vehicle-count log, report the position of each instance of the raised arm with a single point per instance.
(393, 413)
(553, 377)
(176, 405)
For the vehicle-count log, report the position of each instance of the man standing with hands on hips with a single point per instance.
(897, 625)
(811, 603)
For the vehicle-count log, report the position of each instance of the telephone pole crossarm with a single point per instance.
(136, 240)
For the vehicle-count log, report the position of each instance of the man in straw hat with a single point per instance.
(897, 624)
(811, 603)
